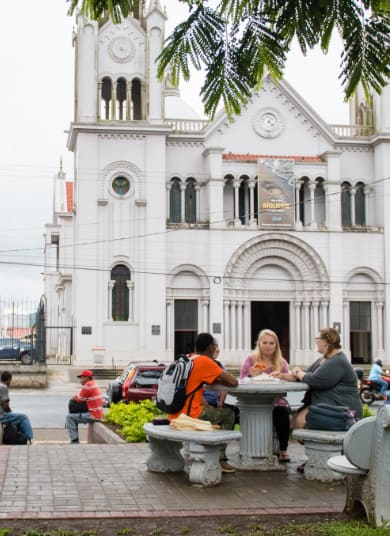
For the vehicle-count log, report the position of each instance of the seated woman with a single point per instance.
(267, 358)
(331, 379)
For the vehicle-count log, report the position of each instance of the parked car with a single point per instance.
(137, 382)
(14, 350)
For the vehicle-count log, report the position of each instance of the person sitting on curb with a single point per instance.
(206, 370)
(7, 416)
(91, 394)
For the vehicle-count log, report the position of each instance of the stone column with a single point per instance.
(183, 202)
(233, 325)
(324, 314)
(113, 101)
(239, 326)
(197, 194)
(367, 193)
(251, 186)
(353, 211)
(346, 328)
(227, 327)
(315, 318)
(130, 286)
(205, 323)
(247, 326)
(236, 187)
(111, 284)
(379, 323)
(312, 187)
(306, 326)
(169, 188)
(170, 325)
(298, 222)
(128, 100)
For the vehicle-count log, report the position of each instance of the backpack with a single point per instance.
(171, 392)
(12, 436)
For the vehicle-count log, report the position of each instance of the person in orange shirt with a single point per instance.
(206, 370)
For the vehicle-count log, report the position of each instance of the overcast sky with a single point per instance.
(36, 96)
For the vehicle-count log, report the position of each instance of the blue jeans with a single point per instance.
(21, 421)
(72, 423)
(383, 385)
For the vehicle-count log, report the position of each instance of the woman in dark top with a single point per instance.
(331, 379)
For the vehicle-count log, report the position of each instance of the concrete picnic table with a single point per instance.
(255, 399)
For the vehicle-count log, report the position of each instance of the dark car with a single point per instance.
(137, 382)
(15, 350)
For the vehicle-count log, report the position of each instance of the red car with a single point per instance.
(137, 382)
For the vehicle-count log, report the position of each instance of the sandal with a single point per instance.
(301, 468)
(284, 458)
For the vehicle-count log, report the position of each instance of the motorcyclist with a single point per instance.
(375, 376)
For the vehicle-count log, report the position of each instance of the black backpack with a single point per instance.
(12, 436)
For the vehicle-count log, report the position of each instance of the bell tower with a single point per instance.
(116, 69)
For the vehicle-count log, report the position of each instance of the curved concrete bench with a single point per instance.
(320, 445)
(195, 452)
(366, 465)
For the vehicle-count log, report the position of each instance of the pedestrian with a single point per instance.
(90, 393)
(7, 416)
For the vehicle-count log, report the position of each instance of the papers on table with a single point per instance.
(260, 378)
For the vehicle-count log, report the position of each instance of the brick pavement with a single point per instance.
(57, 481)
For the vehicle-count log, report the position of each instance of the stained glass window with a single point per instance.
(120, 185)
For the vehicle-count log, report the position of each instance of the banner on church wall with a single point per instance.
(276, 192)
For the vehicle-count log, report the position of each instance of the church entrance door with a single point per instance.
(275, 316)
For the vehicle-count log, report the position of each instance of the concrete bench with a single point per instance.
(366, 465)
(320, 445)
(196, 453)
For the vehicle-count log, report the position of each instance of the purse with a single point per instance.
(77, 407)
(329, 417)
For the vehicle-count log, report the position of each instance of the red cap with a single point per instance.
(85, 374)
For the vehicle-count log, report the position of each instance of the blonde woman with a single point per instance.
(267, 358)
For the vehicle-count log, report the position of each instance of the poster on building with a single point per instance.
(276, 192)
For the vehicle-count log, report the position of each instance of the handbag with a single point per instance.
(12, 436)
(77, 407)
(330, 417)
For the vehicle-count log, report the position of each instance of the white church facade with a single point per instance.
(173, 225)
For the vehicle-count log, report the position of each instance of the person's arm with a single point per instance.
(246, 366)
(326, 376)
(5, 405)
(227, 379)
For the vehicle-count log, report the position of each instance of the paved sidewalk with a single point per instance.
(62, 481)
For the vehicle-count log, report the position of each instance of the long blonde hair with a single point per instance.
(277, 355)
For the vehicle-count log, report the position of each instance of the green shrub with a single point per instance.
(367, 412)
(130, 419)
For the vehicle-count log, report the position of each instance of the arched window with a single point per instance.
(304, 202)
(175, 201)
(136, 99)
(120, 274)
(319, 201)
(190, 201)
(106, 97)
(243, 200)
(360, 206)
(121, 98)
(346, 219)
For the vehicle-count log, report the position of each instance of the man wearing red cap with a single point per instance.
(90, 394)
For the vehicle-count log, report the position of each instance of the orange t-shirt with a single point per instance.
(205, 370)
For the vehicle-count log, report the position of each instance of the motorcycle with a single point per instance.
(370, 391)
